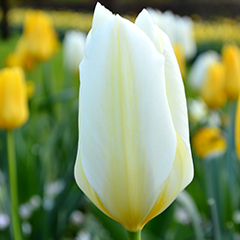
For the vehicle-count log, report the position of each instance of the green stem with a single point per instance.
(13, 186)
(134, 235)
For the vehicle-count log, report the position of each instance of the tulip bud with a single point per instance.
(208, 141)
(21, 57)
(212, 90)
(134, 154)
(237, 129)
(13, 98)
(40, 36)
(207, 76)
(231, 59)
(73, 48)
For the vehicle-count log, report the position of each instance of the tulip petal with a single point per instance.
(174, 83)
(126, 131)
(100, 15)
(178, 178)
(182, 170)
(175, 92)
(144, 22)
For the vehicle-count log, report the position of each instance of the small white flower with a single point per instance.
(26, 228)
(77, 217)
(35, 202)
(83, 235)
(4, 221)
(25, 210)
(73, 49)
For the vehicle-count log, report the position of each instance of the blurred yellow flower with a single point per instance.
(179, 52)
(212, 90)
(21, 57)
(231, 59)
(39, 35)
(237, 128)
(208, 141)
(13, 98)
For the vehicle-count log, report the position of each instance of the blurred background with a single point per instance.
(46, 39)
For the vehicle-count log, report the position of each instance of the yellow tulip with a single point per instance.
(21, 57)
(212, 89)
(237, 129)
(208, 141)
(40, 35)
(134, 154)
(231, 59)
(13, 98)
(179, 52)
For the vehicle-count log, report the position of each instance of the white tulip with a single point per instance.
(73, 49)
(199, 69)
(134, 155)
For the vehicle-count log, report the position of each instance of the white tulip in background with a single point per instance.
(73, 49)
(134, 155)
(179, 30)
(197, 110)
(199, 69)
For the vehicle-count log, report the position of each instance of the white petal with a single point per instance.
(198, 72)
(100, 15)
(127, 136)
(174, 86)
(175, 92)
(180, 176)
(184, 36)
(144, 22)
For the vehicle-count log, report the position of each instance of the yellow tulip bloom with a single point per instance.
(231, 59)
(212, 90)
(208, 141)
(13, 98)
(40, 35)
(237, 129)
(21, 57)
(179, 52)
(134, 155)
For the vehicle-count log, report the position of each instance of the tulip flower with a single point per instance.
(231, 59)
(13, 98)
(73, 47)
(237, 129)
(21, 57)
(207, 76)
(13, 114)
(134, 154)
(208, 141)
(40, 35)
(212, 90)
(198, 110)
